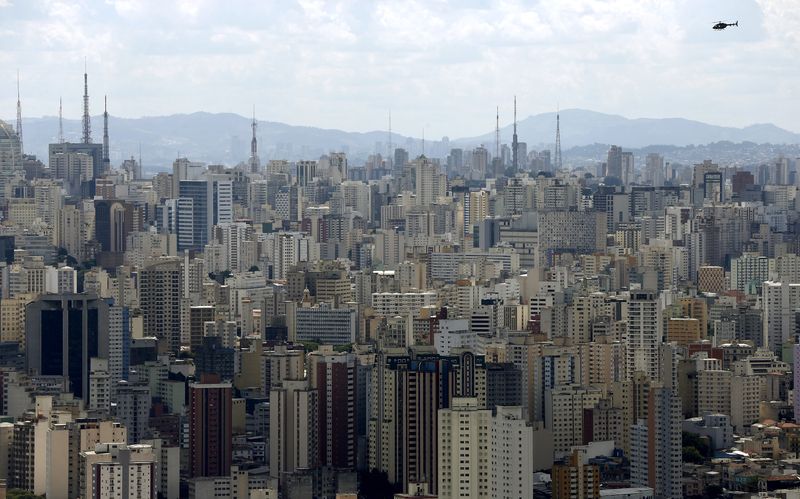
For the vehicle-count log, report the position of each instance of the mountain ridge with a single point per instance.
(225, 137)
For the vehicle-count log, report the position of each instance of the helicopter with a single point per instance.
(722, 25)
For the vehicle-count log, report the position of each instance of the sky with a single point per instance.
(437, 65)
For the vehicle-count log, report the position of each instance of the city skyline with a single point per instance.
(638, 60)
(396, 256)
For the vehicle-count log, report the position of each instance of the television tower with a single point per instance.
(106, 158)
(497, 134)
(514, 141)
(254, 162)
(19, 116)
(87, 123)
(557, 158)
(60, 123)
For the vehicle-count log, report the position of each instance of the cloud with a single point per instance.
(444, 62)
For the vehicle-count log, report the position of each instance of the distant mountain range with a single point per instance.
(225, 137)
(580, 127)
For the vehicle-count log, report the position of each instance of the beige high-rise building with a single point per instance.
(431, 184)
(464, 449)
(292, 427)
(476, 209)
(564, 415)
(282, 364)
(12, 318)
(745, 401)
(787, 268)
(603, 361)
(65, 443)
(70, 230)
(724, 392)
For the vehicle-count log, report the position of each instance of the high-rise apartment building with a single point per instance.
(779, 302)
(293, 424)
(575, 478)
(113, 470)
(464, 449)
(133, 404)
(748, 272)
(210, 439)
(407, 392)
(512, 449)
(644, 332)
(431, 184)
(10, 155)
(161, 286)
(334, 376)
(656, 445)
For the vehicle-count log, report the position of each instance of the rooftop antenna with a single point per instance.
(423, 141)
(557, 159)
(87, 124)
(19, 116)
(60, 123)
(389, 154)
(514, 141)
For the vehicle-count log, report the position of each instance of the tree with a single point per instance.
(692, 455)
(253, 268)
(22, 494)
(375, 484)
(309, 346)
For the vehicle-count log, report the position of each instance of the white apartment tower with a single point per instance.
(644, 333)
(779, 301)
(511, 455)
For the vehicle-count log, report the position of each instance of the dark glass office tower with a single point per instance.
(63, 332)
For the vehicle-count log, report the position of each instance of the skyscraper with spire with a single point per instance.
(515, 141)
(106, 158)
(87, 121)
(255, 163)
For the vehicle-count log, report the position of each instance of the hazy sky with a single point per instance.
(438, 64)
